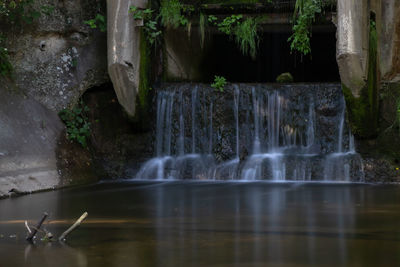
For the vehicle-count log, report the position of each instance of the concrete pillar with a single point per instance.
(388, 27)
(352, 43)
(124, 51)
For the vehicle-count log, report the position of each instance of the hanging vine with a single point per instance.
(304, 15)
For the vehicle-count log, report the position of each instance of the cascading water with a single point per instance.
(338, 164)
(253, 132)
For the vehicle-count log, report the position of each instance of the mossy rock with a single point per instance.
(285, 77)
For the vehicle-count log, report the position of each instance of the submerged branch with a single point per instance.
(76, 224)
(35, 229)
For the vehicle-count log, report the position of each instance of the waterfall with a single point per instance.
(338, 164)
(252, 132)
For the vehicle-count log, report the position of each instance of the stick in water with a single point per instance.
(35, 230)
(27, 227)
(76, 224)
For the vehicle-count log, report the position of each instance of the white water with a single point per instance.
(285, 145)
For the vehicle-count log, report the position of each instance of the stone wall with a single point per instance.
(55, 60)
(58, 57)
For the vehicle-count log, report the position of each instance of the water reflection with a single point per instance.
(306, 224)
(221, 224)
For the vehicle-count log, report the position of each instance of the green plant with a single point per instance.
(18, 11)
(76, 120)
(5, 65)
(150, 25)
(171, 14)
(246, 37)
(140, 13)
(98, 22)
(219, 83)
(244, 32)
(227, 26)
(212, 19)
(303, 17)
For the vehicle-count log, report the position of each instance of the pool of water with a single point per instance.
(208, 224)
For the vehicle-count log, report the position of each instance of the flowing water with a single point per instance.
(208, 224)
(253, 132)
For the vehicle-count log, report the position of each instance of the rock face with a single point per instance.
(58, 57)
(28, 140)
(55, 59)
(124, 51)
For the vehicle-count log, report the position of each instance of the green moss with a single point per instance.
(363, 111)
(285, 77)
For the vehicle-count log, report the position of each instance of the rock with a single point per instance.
(55, 59)
(285, 77)
(59, 53)
(28, 137)
(117, 148)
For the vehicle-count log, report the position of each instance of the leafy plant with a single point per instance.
(227, 26)
(98, 22)
(219, 83)
(304, 16)
(212, 19)
(140, 13)
(244, 32)
(246, 36)
(150, 25)
(171, 14)
(78, 127)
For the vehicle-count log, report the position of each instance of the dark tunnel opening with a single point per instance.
(274, 56)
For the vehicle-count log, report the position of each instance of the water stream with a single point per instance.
(253, 132)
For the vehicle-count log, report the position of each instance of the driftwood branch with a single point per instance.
(27, 227)
(76, 224)
(35, 229)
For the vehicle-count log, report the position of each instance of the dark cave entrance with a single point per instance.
(223, 57)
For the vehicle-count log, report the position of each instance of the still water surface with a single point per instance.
(208, 224)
